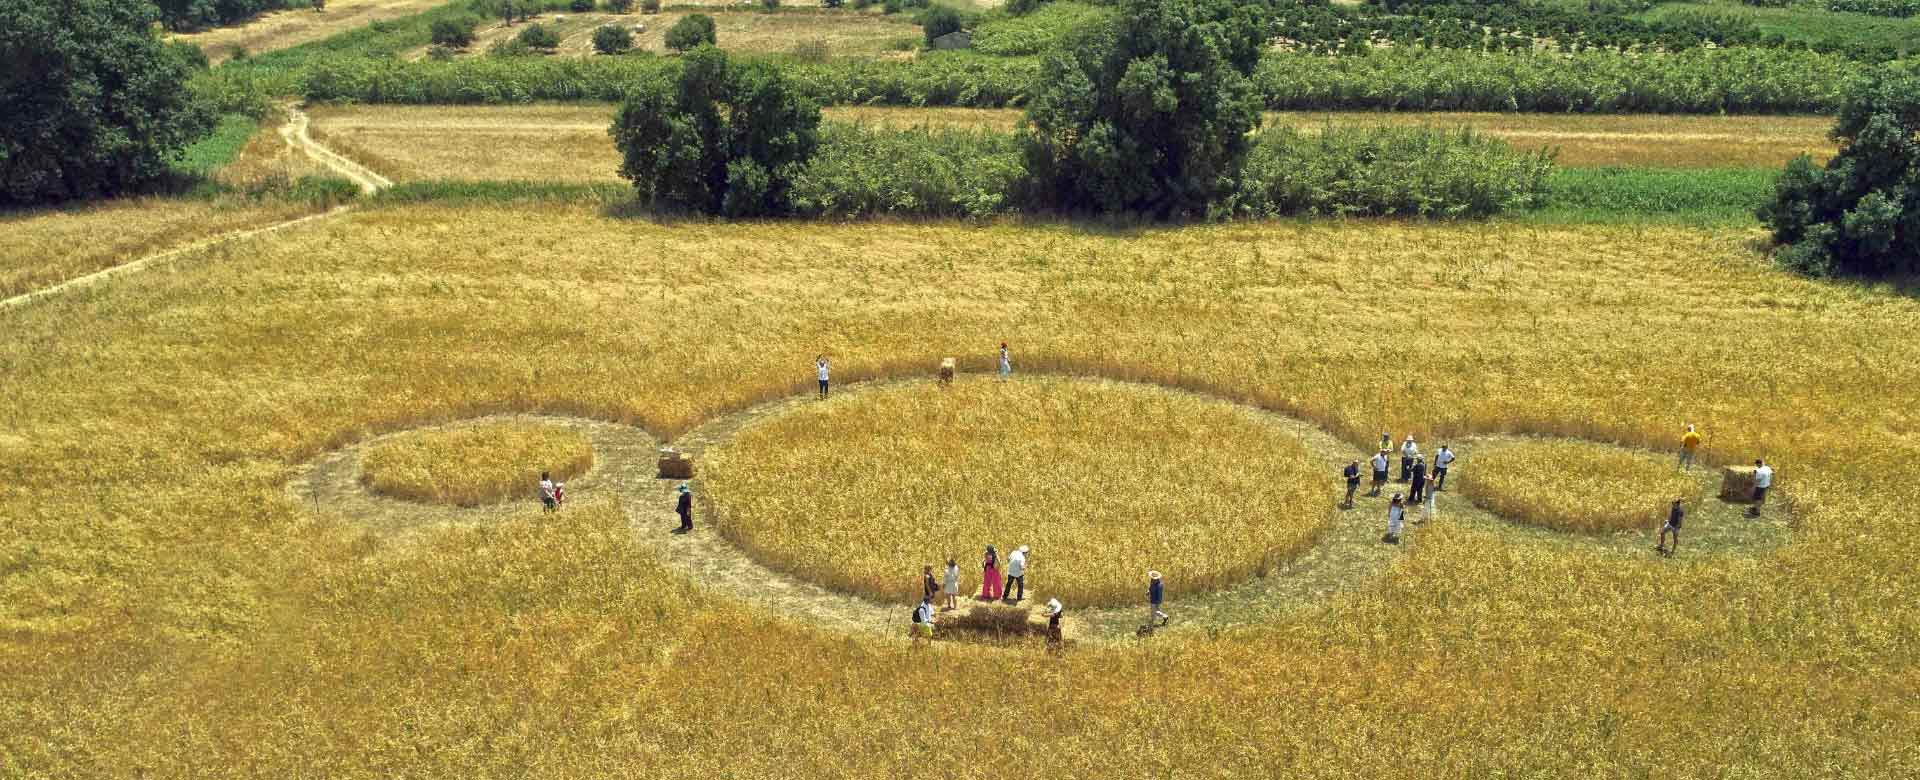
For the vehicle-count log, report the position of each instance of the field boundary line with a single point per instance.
(295, 134)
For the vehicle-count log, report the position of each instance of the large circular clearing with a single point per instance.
(1578, 486)
(474, 464)
(1103, 480)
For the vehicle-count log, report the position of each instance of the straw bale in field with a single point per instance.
(1736, 484)
(675, 464)
(946, 370)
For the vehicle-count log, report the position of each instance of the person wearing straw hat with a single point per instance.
(1396, 519)
(1016, 575)
(1053, 621)
(1156, 595)
(1408, 452)
(685, 509)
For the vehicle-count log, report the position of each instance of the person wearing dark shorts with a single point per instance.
(1379, 464)
(1675, 517)
(1352, 473)
(823, 370)
(1762, 482)
(1442, 462)
(684, 508)
(1419, 490)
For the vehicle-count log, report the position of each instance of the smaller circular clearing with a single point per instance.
(1576, 486)
(1104, 480)
(474, 464)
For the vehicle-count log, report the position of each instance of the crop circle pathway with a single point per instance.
(1347, 555)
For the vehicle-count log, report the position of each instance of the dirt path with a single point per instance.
(1347, 556)
(295, 134)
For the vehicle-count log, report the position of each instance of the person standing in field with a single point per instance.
(1379, 472)
(923, 620)
(1396, 520)
(929, 590)
(1016, 575)
(1408, 451)
(1006, 361)
(990, 575)
(823, 370)
(1352, 473)
(1689, 447)
(1675, 517)
(1430, 507)
(1762, 482)
(1419, 479)
(546, 492)
(684, 508)
(1156, 595)
(1442, 462)
(1386, 441)
(952, 585)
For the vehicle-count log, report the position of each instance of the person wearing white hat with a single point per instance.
(1053, 620)
(1156, 595)
(1016, 574)
(685, 509)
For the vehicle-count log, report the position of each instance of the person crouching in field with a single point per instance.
(1352, 473)
(547, 498)
(1675, 516)
(1396, 519)
(684, 508)
(923, 620)
(1379, 464)
(1053, 622)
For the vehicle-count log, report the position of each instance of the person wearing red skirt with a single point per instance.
(990, 575)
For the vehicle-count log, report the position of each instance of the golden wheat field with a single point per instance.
(1583, 487)
(862, 491)
(282, 29)
(569, 142)
(169, 609)
(473, 465)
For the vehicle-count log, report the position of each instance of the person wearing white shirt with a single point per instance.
(823, 369)
(1379, 463)
(1006, 361)
(1429, 507)
(1441, 463)
(1016, 574)
(547, 492)
(1762, 481)
(1408, 451)
(923, 620)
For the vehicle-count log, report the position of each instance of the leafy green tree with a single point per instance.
(612, 39)
(620, 6)
(1860, 215)
(580, 6)
(1148, 112)
(719, 138)
(91, 103)
(692, 30)
(940, 20)
(455, 32)
(537, 36)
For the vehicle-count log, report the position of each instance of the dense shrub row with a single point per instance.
(1696, 81)
(1338, 171)
(1701, 81)
(1897, 9)
(940, 79)
(198, 14)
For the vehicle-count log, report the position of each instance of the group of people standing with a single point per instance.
(1423, 483)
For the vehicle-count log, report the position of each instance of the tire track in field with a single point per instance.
(295, 134)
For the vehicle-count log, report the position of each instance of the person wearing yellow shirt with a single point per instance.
(1689, 447)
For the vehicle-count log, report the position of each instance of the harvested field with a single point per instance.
(292, 27)
(568, 143)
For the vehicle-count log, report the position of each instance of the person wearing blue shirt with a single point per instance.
(1156, 594)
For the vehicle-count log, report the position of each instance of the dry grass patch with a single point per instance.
(1578, 486)
(292, 27)
(1103, 480)
(476, 464)
(1633, 140)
